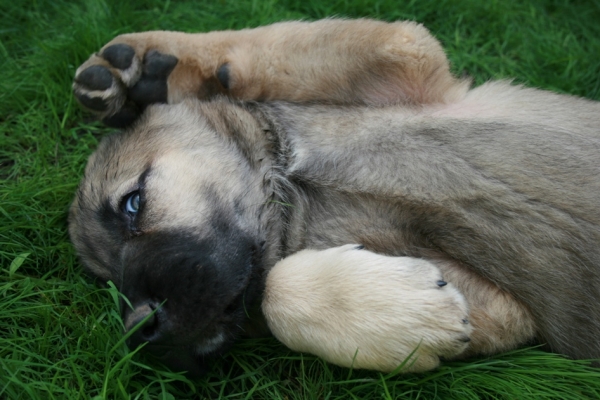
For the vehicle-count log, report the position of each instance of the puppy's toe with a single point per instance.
(158, 65)
(94, 88)
(97, 87)
(96, 77)
(152, 87)
(119, 55)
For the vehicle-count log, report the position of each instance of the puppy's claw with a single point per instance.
(441, 283)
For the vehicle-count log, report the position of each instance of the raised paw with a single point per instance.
(117, 83)
(359, 309)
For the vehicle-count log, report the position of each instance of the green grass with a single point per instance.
(60, 335)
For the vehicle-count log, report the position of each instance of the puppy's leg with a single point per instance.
(500, 322)
(356, 308)
(336, 61)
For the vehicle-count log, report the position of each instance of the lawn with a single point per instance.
(60, 334)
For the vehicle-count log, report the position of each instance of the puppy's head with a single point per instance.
(176, 212)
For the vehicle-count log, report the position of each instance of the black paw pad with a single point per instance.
(149, 91)
(93, 103)
(123, 118)
(359, 247)
(119, 55)
(95, 77)
(158, 65)
(441, 283)
(223, 75)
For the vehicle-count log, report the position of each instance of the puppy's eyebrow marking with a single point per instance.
(144, 175)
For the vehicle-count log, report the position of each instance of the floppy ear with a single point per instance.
(243, 123)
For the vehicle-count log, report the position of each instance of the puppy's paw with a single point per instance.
(117, 83)
(359, 309)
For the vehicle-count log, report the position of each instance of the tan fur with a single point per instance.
(301, 62)
(438, 174)
(355, 308)
(359, 309)
(500, 322)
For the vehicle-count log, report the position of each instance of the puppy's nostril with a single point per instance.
(150, 327)
(144, 320)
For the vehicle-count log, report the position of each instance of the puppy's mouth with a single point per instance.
(197, 359)
(192, 341)
(194, 360)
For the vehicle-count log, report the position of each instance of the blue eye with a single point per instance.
(132, 203)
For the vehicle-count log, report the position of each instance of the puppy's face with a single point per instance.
(175, 212)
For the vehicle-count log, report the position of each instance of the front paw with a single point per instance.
(117, 84)
(359, 309)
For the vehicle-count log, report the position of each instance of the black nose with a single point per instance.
(144, 320)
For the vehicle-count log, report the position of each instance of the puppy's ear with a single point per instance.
(244, 124)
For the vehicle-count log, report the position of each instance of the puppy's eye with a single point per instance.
(132, 203)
